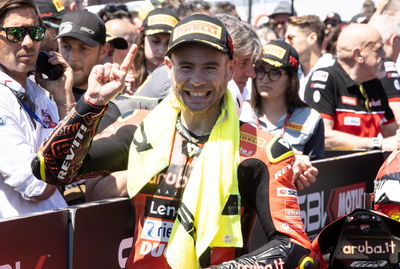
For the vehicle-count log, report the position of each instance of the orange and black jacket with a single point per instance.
(265, 185)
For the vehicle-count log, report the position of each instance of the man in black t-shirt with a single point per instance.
(350, 99)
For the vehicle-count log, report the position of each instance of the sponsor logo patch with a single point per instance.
(352, 121)
(157, 230)
(317, 85)
(352, 101)
(161, 208)
(397, 84)
(316, 96)
(286, 192)
(320, 76)
(58, 5)
(274, 50)
(162, 19)
(198, 27)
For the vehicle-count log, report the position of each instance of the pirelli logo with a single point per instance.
(59, 6)
(294, 126)
(274, 50)
(162, 19)
(198, 27)
(252, 139)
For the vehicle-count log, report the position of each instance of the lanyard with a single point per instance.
(285, 123)
(364, 94)
(26, 107)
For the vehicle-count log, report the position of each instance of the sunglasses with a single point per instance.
(273, 74)
(17, 34)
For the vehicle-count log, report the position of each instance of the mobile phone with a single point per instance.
(53, 72)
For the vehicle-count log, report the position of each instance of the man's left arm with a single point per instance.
(269, 188)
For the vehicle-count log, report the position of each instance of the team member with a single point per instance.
(351, 101)
(276, 106)
(51, 13)
(27, 115)
(193, 169)
(153, 42)
(306, 34)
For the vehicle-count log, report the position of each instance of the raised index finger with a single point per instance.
(130, 56)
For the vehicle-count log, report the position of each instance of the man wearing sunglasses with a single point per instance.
(27, 115)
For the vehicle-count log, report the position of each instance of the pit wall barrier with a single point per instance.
(99, 234)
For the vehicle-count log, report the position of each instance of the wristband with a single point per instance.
(376, 142)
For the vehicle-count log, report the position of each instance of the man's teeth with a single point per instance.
(198, 94)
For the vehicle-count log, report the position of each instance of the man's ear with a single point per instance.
(313, 37)
(357, 56)
(169, 65)
(104, 49)
(232, 67)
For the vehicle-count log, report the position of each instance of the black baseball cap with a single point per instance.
(118, 42)
(202, 29)
(159, 20)
(85, 26)
(280, 54)
(51, 9)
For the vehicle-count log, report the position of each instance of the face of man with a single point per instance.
(373, 55)
(244, 70)
(81, 58)
(299, 40)
(49, 42)
(200, 75)
(19, 58)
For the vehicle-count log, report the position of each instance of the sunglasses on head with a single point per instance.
(17, 34)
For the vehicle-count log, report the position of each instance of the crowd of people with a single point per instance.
(203, 120)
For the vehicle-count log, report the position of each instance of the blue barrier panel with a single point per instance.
(102, 234)
(36, 241)
(341, 186)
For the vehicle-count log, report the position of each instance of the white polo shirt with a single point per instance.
(19, 142)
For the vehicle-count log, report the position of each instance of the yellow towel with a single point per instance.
(212, 181)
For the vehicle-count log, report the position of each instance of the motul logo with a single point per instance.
(39, 264)
(345, 199)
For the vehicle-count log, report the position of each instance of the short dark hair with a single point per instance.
(190, 7)
(114, 11)
(8, 5)
(309, 24)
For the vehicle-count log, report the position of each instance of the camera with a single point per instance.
(53, 72)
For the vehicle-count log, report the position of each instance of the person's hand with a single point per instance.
(129, 84)
(108, 80)
(60, 89)
(48, 191)
(304, 173)
(391, 143)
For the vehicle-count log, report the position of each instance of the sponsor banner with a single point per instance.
(36, 241)
(342, 184)
(103, 233)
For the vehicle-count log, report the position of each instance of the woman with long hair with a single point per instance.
(275, 105)
(153, 42)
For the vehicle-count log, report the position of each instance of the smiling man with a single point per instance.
(195, 173)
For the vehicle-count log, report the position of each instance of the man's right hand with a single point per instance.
(108, 80)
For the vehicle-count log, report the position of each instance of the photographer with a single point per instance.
(27, 115)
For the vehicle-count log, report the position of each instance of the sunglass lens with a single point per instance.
(37, 33)
(15, 34)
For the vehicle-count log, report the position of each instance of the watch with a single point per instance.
(376, 142)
